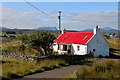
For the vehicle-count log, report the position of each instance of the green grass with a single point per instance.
(107, 69)
(14, 68)
(114, 45)
(14, 47)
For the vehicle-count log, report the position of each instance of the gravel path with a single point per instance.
(56, 73)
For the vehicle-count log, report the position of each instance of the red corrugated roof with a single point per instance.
(74, 38)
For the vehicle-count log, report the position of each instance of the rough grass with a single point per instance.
(106, 69)
(114, 45)
(14, 47)
(14, 68)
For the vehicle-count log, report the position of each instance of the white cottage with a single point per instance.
(82, 43)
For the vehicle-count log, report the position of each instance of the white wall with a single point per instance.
(82, 51)
(55, 47)
(74, 50)
(99, 44)
(60, 51)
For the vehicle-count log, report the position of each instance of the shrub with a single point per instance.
(100, 56)
(82, 73)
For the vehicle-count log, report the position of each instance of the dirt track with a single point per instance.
(61, 72)
(56, 73)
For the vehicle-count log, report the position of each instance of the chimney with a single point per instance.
(63, 31)
(96, 30)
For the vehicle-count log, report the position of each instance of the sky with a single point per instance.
(75, 15)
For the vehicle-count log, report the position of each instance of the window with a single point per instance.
(54, 44)
(78, 48)
(85, 37)
(93, 50)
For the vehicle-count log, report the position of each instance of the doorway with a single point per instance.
(65, 47)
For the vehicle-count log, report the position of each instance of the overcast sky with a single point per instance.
(75, 15)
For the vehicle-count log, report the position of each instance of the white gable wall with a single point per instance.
(99, 44)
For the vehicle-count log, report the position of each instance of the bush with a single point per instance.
(82, 73)
(100, 56)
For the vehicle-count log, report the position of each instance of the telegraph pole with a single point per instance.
(59, 21)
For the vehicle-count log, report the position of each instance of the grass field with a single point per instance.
(14, 47)
(109, 69)
(14, 68)
(114, 45)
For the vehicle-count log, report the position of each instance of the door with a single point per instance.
(65, 47)
(69, 48)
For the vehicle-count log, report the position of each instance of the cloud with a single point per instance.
(21, 19)
(27, 19)
(90, 20)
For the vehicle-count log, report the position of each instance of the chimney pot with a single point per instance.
(96, 26)
(96, 29)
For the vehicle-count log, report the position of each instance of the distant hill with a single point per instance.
(3, 28)
(46, 28)
(106, 29)
(19, 31)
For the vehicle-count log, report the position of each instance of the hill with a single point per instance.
(17, 31)
(46, 28)
(106, 29)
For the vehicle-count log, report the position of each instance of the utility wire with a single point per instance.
(38, 9)
(62, 19)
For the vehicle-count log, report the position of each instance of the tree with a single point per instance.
(24, 38)
(42, 41)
